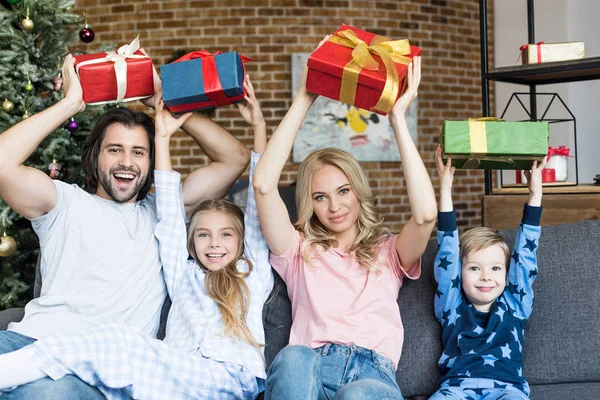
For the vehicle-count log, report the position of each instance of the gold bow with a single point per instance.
(390, 51)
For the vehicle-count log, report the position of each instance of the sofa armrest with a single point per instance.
(10, 315)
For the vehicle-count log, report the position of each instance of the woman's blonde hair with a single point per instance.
(227, 286)
(481, 238)
(370, 225)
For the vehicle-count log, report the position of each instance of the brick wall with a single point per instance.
(270, 30)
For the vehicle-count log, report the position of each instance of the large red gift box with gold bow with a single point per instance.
(115, 76)
(360, 68)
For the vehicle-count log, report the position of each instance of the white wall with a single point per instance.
(555, 21)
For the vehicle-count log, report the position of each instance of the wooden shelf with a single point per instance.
(504, 212)
(546, 73)
(551, 188)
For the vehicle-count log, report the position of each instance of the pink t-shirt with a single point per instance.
(335, 300)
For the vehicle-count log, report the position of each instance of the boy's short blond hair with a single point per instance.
(481, 238)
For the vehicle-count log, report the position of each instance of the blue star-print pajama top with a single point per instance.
(483, 351)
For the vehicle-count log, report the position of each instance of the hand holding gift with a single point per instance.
(72, 85)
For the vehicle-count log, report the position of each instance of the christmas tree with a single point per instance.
(35, 36)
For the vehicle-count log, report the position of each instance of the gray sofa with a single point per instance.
(562, 340)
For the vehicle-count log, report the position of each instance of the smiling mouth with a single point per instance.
(124, 177)
(485, 288)
(215, 257)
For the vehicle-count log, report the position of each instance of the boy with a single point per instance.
(483, 324)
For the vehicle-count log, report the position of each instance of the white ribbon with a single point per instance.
(119, 58)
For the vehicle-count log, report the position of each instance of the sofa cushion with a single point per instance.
(566, 391)
(418, 373)
(562, 337)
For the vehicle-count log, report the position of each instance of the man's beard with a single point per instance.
(114, 193)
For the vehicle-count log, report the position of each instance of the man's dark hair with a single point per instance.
(91, 147)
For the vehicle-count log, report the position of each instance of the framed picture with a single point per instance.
(329, 123)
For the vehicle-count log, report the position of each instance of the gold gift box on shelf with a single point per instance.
(549, 52)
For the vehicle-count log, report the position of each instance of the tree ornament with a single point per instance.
(54, 169)
(8, 246)
(29, 86)
(58, 82)
(86, 34)
(72, 125)
(26, 115)
(27, 23)
(8, 105)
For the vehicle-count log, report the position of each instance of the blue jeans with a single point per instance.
(67, 388)
(331, 372)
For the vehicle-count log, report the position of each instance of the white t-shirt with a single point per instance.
(100, 264)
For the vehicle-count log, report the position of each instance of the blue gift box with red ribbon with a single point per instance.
(201, 80)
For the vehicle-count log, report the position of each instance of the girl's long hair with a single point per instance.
(227, 286)
(370, 225)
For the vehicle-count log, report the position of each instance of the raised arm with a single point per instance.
(413, 239)
(29, 191)
(523, 262)
(170, 230)
(255, 245)
(447, 266)
(274, 217)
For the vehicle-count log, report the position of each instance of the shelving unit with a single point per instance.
(565, 204)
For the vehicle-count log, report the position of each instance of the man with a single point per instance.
(100, 259)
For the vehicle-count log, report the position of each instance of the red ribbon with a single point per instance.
(212, 85)
(558, 151)
(539, 51)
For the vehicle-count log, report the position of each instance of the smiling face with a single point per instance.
(334, 202)
(123, 163)
(216, 239)
(484, 276)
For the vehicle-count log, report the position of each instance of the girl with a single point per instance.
(213, 347)
(343, 269)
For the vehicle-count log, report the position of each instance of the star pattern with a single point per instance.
(500, 313)
(444, 263)
(453, 317)
(439, 293)
(491, 337)
(515, 256)
(478, 330)
(456, 282)
(533, 273)
(448, 233)
(530, 245)
(522, 293)
(443, 358)
(451, 362)
(489, 360)
(506, 350)
(515, 334)
(514, 289)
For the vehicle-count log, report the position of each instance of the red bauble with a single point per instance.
(86, 35)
